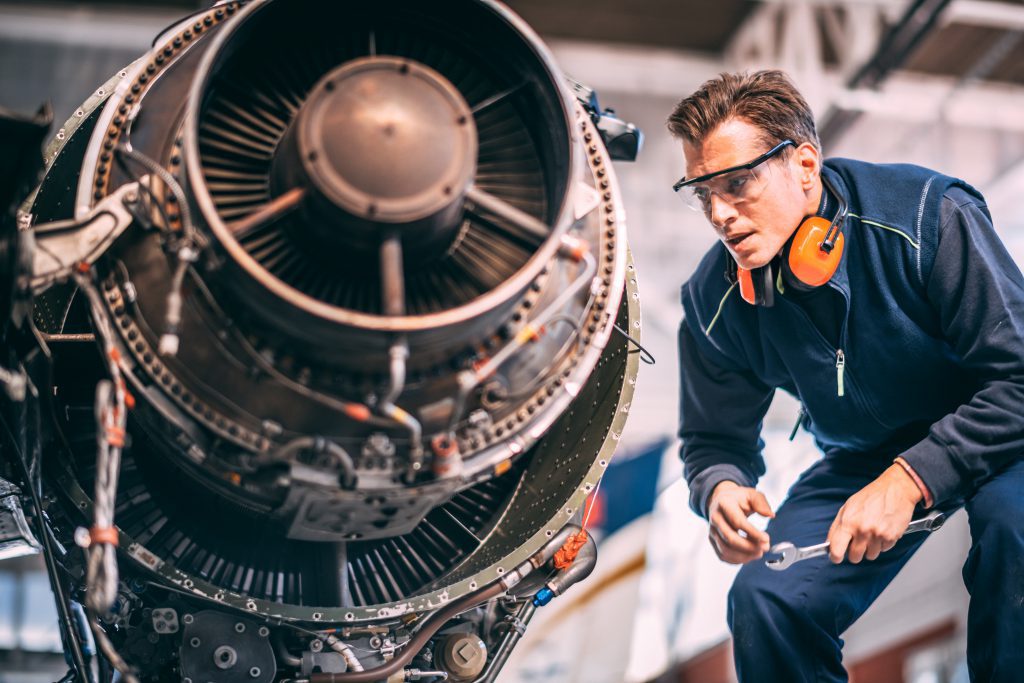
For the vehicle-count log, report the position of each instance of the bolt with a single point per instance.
(239, 627)
(188, 618)
(254, 672)
(195, 642)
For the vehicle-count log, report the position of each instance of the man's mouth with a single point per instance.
(736, 240)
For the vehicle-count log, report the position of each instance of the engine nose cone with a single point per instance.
(385, 145)
(389, 140)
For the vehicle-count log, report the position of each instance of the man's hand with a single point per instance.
(733, 537)
(874, 518)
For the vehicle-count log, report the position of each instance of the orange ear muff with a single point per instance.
(808, 263)
(746, 285)
(756, 286)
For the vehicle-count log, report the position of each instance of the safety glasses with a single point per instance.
(735, 185)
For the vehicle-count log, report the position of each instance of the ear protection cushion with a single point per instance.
(756, 286)
(805, 264)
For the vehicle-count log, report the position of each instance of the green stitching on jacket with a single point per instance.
(902, 234)
(721, 304)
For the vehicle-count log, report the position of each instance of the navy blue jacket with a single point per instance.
(930, 356)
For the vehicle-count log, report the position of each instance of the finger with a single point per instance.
(837, 524)
(858, 546)
(729, 536)
(730, 554)
(737, 520)
(838, 542)
(713, 538)
(889, 545)
(874, 549)
(761, 505)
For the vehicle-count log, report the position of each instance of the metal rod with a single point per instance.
(502, 209)
(392, 277)
(272, 210)
(494, 99)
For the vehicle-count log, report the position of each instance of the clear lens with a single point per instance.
(740, 186)
(735, 188)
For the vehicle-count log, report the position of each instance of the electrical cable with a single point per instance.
(65, 620)
(645, 355)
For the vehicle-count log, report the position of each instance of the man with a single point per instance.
(907, 357)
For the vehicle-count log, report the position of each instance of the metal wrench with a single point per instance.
(786, 553)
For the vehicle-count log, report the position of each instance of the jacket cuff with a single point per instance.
(934, 465)
(926, 495)
(702, 485)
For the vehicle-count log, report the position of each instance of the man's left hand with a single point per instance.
(874, 518)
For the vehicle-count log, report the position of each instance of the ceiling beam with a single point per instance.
(938, 99)
(633, 70)
(988, 13)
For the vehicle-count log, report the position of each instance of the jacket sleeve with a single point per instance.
(977, 291)
(720, 416)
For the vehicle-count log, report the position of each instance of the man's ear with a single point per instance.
(808, 160)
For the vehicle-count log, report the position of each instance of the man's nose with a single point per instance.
(720, 211)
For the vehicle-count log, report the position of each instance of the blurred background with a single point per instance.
(934, 82)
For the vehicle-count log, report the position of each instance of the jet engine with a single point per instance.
(332, 334)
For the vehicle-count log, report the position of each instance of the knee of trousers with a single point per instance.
(787, 603)
(998, 545)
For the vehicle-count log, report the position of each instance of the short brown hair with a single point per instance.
(768, 99)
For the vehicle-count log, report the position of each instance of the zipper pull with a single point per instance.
(840, 369)
(799, 421)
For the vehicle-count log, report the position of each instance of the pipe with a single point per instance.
(317, 444)
(283, 655)
(432, 625)
(440, 618)
(516, 628)
(398, 354)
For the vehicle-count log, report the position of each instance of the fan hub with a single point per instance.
(384, 144)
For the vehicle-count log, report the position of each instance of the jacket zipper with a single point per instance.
(840, 370)
(840, 354)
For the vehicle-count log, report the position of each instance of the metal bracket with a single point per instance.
(61, 245)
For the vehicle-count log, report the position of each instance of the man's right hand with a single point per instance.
(733, 537)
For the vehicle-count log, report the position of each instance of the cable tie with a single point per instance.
(103, 534)
(115, 437)
(566, 555)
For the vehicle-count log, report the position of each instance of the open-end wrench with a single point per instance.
(782, 555)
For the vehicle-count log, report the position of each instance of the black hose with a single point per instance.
(426, 632)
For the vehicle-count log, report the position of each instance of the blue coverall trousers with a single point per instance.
(786, 625)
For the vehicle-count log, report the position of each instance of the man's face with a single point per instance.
(754, 230)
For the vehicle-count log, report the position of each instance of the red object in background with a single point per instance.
(594, 510)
